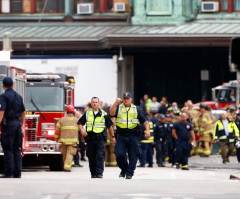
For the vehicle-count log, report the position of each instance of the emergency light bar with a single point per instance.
(43, 77)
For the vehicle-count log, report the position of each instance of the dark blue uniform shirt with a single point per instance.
(183, 130)
(12, 104)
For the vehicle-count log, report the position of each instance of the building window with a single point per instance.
(32, 6)
(159, 7)
(16, 6)
(224, 5)
(237, 5)
(49, 6)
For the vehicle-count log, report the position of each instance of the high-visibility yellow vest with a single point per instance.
(68, 130)
(151, 138)
(148, 104)
(127, 117)
(95, 124)
(232, 130)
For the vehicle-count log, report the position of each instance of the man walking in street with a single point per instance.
(96, 121)
(67, 133)
(183, 134)
(12, 114)
(128, 118)
(226, 132)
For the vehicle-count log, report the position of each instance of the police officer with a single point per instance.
(128, 118)
(184, 136)
(12, 114)
(67, 133)
(96, 121)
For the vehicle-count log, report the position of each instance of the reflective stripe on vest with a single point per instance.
(151, 126)
(95, 124)
(151, 138)
(127, 117)
(232, 130)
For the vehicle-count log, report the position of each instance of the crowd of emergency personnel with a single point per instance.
(125, 134)
(154, 132)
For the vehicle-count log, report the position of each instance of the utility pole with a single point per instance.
(5, 53)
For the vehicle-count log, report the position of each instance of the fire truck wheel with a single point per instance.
(56, 163)
(1, 164)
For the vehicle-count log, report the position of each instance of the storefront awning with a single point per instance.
(95, 36)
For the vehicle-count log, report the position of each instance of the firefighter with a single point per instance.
(12, 114)
(160, 141)
(146, 147)
(96, 121)
(226, 132)
(67, 133)
(206, 129)
(128, 118)
(110, 158)
(184, 137)
(170, 142)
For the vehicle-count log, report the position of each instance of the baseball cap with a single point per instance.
(162, 116)
(127, 95)
(7, 81)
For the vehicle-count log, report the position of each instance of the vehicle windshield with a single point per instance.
(44, 99)
(226, 95)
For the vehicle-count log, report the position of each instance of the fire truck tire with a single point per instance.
(56, 163)
(1, 164)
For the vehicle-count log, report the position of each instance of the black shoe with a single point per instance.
(6, 176)
(232, 177)
(83, 159)
(77, 165)
(122, 175)
(150, 165)
(99, 176)
(128, 177)
(93, 176)
(141, 165)
(161, 165)
(17, 176)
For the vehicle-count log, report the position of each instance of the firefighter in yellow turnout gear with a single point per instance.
(67, 133)
(206, 130)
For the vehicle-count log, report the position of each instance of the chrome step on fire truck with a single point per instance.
(46, 97)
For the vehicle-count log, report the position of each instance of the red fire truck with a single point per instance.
(227, 94)
(46, 97)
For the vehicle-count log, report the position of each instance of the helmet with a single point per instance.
(70, 109)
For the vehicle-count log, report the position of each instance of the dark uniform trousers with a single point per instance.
(146, 155)
(11, 140)
(226, 149)
(96, 153)
(160, 150)
(127, 144)
(183, 149)
(238, 154)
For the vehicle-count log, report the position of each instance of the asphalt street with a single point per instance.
(208, 178)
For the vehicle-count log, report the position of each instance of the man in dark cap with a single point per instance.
(128, 119)
(12, 114)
